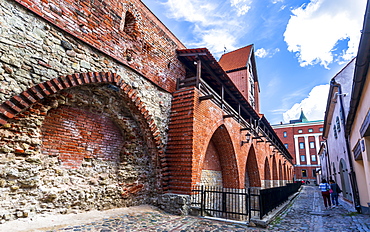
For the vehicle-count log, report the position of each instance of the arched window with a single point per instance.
(130, 26)
(338, 124)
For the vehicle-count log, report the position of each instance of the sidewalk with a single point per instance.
(305, 213)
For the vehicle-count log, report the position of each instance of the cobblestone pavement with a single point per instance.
(308, 213)
(304, 214)
(155, 221)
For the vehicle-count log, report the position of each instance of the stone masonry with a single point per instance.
(49, 160)
(92, 114)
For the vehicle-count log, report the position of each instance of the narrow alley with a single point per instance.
(305, 213)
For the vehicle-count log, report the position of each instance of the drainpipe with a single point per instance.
(351, 173)
(328, 163)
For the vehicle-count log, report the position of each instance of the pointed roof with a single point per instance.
(302, 118)
(236, 59)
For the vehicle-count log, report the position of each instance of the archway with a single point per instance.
(219, 165)
(267, 181)
(252, 174)
(280, 174)
(94, 131)
(274, 172)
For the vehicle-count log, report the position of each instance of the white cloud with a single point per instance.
(263, 53)
(195, 11)
(313, 106)
(213, 27)
(242, 6)
(315, 29)
(216, 39)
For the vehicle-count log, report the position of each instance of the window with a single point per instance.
(321, 129)
(285, 134)
(303, 158)
(338, 124)
(314, 173)
(310, 130)
(304, 173)
(335, 132)
(312, 144)
(300, 131)
(301, 145)
(313, 158)
(286, 145)
(129, 24)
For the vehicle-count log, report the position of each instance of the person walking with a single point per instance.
(324, 188)
(334, 192)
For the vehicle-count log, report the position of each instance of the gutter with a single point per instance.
(361, 69)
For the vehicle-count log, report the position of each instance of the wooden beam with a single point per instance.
(193, 54)
(199, 72)
(210, 71)
(207, 97)
(228, 116)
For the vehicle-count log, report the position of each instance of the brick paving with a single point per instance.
(306, 213)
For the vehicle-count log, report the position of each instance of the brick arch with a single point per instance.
(223, 144)
(130, 25)
(267, 170)
(267, 174)
(274, 169)
(280, 171)
(252, 174)
(18, 104)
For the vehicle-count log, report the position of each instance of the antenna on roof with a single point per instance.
(224, 49)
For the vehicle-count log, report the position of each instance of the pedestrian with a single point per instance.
(324, 188)
(334, 192)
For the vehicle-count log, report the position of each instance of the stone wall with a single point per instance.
(125, 30)
(56, 93)
(40, 171)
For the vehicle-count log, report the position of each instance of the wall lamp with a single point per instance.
(247, 138)
(336, 94)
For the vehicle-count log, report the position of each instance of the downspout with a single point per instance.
(351, 173)
(329, 174)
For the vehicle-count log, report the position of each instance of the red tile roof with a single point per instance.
(236, 59)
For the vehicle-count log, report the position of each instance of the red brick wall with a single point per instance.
(151, 50)
(179, 161)
(287, 140)
(74, 134)
(212, 160)
(193, 125)
(240, 79)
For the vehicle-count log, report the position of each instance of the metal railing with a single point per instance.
(239, 204)
(221, 202)
(273, 197)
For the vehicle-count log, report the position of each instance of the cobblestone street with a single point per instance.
(306, 213)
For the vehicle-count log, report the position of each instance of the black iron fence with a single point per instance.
(221, 202)
(273, 197)
(239, 204)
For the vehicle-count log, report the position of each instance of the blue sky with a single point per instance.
(299, 44)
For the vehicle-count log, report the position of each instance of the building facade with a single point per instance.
(336, 163)
(302, 138)
(101, 106)
(347, 123)
(358, 120)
